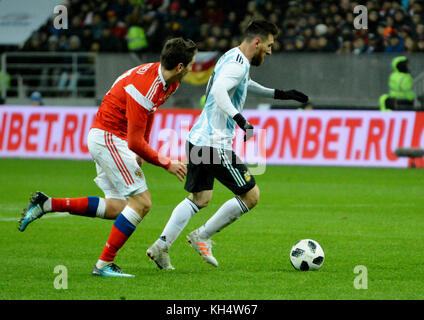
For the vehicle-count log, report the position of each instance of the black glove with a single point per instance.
(246, 126)
(290, 95)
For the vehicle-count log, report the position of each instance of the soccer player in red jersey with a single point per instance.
(119, 142)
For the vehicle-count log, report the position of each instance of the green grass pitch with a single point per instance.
(371, 217)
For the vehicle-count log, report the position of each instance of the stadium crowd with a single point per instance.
(306, 25)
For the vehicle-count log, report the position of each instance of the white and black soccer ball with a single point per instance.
(307, 255)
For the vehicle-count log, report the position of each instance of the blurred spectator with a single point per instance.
(86, 38)
(346, 47)
(359, 46)
(410, 45)
(373, 18)
(110, 43)
(313, 45)
(75, 28)
(52, 44)
(213, 14)
(95, 47)
(394, 44)
(190, 23)
(420, 45)
(326, 26)
(63, 44)
(97, 26)
(121, 8)
(154, 32)
(375, 44)
(211, 44)
(36, 99)
(419, 31)
(300, 44)
(288, 46)
(74, 43)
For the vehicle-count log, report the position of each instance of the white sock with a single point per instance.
(177, 222)
(227, 214)
(131, 215)
(101, 208)
(47, 205)
(101, 264)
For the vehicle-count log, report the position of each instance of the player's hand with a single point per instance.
(139, 160)
(243, 124)
(248, 128)
(178, 168)
(291, 95)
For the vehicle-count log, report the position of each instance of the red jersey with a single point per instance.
(127, 109)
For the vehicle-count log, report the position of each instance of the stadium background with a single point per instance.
(318, 49)
(52, 81)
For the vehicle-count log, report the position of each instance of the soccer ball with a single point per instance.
(307, 255)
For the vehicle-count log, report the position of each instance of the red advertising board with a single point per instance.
(340, 138)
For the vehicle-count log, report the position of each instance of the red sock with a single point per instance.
(85, 206)
(114, 243)
(121, 231)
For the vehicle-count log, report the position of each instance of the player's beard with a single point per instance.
(257, 59)
(182, 75)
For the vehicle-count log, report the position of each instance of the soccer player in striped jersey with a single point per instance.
(119, 142)
(209, 146)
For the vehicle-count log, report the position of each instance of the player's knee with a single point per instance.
(147, 206)
(251, 198)
(201, 202)
(201, 199)
(143, 208)
(141, 204)
(114, 207)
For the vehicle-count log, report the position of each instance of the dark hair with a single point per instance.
(177, 50)
(261, 28)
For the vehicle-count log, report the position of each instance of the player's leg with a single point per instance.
(229, 212)
(125, 181)
(181, 215)
(199, 183)
(234, 175)
(125, 224)
(40, 204)
(91, 207)
(108, 208)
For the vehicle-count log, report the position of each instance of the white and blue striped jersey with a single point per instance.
(225, 96)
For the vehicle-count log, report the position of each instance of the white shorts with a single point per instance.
(118, 173)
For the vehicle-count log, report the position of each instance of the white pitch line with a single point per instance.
(353, 205)
(53, 215)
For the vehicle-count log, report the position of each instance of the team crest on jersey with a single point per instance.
(144, 68)
(139, 173)
(247, 176)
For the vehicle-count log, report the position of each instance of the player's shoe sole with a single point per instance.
(160, 257)
(110, 271)
(33, 211)
(203, 247)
